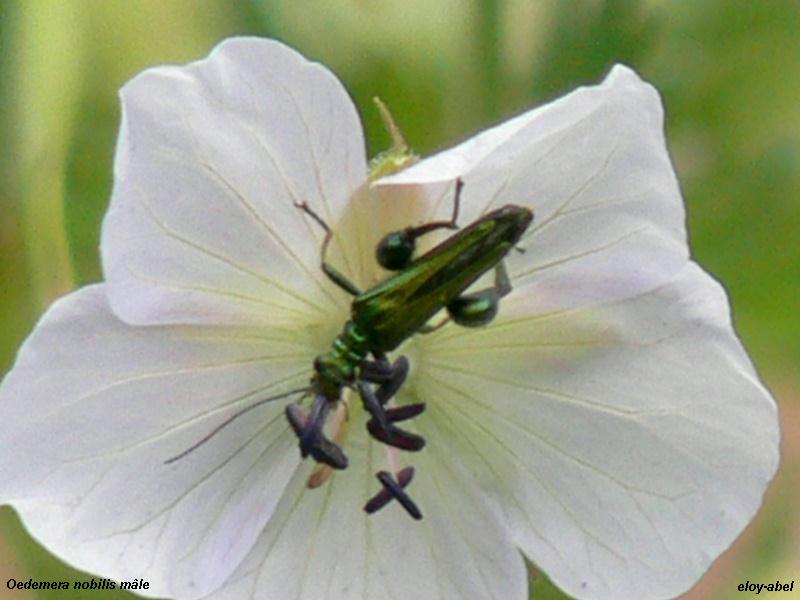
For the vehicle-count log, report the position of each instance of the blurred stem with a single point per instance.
(267, 13)
(47, 77)
(488, 36)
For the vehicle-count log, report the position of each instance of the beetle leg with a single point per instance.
(502, 282)
(426, 329)
(397, 248)
(479, 308)
(420, 230)
(332, 272)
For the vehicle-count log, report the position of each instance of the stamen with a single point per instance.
(405, 412)
(386, 391)
(325, 451)
(393, 459)
(314, 424)
(373, 406)
(297, 418)
(380, 425)
(394, 436)
(394, 490)
(376, 371)
(338, 427)
(312, 440)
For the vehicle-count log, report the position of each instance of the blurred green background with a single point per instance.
(729, 72)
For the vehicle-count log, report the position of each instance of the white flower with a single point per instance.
(608, 426)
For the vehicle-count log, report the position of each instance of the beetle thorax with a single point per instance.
(336, 368)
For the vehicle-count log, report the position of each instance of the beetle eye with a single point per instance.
(394, 251)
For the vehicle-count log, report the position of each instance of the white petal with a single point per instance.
(93, 408)
(593, 166)
(320, 544)
(630, 443)
(210, 160)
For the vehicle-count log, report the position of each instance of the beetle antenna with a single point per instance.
(230, 420)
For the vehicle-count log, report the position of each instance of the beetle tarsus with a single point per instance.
(332, 272)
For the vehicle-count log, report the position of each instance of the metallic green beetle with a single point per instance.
(387, 314)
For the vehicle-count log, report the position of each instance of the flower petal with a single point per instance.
(210, 160)
(629, 443)
(92, 410)
(593, 166)
(321, 544)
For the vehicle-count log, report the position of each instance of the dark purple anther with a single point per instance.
(405, 412)
(388, 389)
(297, 418)
(394, 490)
(394, 436)
(312, 440)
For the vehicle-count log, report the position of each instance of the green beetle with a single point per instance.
(387, 314)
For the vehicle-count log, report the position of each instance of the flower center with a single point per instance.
(322, 430)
